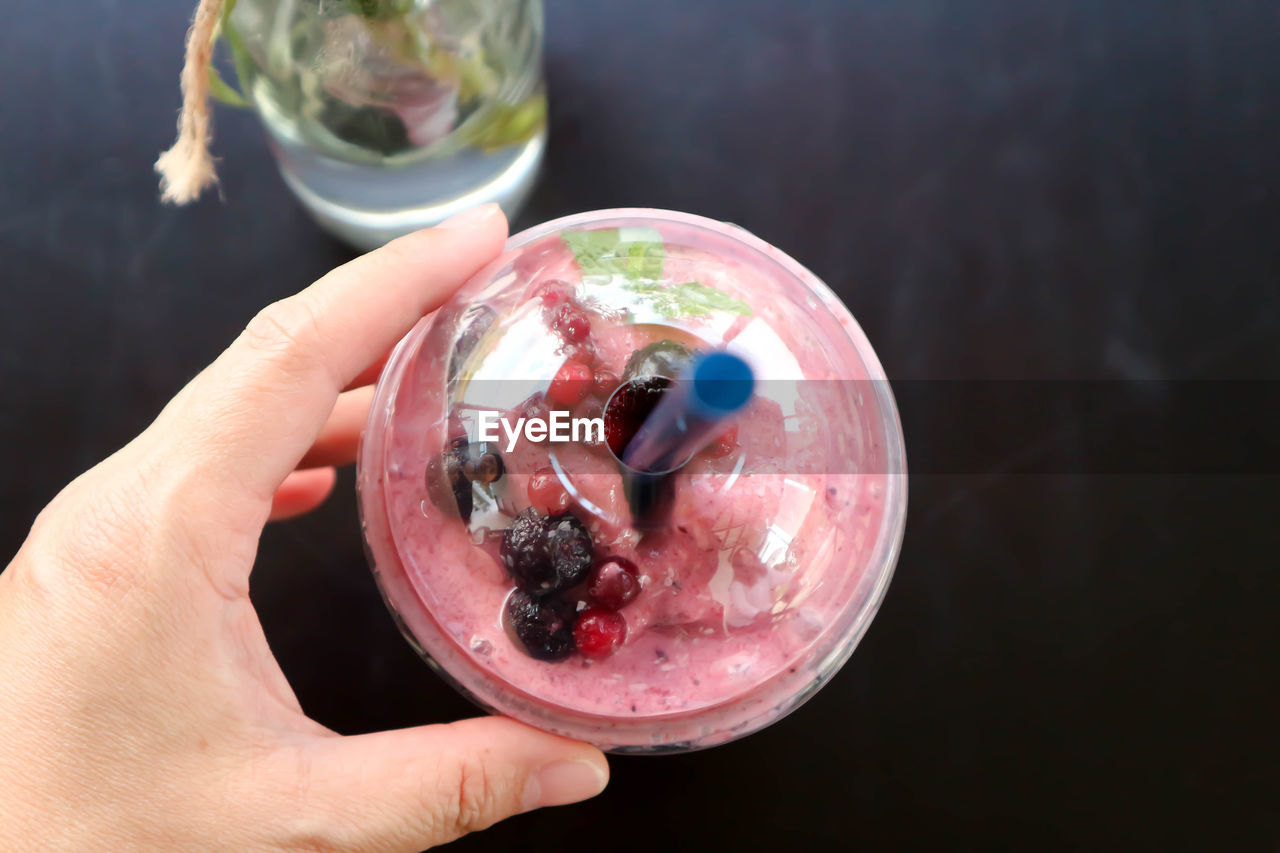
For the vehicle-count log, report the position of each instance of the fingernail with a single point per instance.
(563, 782)
(467, 218)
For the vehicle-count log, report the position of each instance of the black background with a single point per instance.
(1008, 189)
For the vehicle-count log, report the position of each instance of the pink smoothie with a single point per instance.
(776, 552)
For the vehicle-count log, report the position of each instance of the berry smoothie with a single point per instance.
(540, 578)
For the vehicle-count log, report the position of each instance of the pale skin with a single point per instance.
(140, 707)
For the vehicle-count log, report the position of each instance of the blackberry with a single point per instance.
(544, 626)
(660, 358)
(524, 552)
(569, 549)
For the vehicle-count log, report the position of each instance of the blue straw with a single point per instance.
(713, 388)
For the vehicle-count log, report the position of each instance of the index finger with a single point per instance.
(256, 410)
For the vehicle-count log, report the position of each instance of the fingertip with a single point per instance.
(486, 215)
(560, 783)
(301, 492)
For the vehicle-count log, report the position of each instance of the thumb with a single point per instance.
(415, 788)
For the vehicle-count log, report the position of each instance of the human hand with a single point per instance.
(141, 707)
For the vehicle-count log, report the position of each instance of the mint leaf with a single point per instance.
(690, 299)
(632, 258)
(634, 254)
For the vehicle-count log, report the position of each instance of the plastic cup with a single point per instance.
(500, 549)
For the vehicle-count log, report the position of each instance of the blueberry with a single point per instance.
(447, 486)
(569, 549)
(544, 626)
(524, 553)
(660, 358)
(481, 463)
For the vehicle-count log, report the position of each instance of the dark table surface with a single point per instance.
(1080, 645)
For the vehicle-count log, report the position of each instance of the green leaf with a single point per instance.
(499, 125)
(633, 259)
(689, 299)
(224, 91)
(634, 254)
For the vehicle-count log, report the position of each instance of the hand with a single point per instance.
(140, 708)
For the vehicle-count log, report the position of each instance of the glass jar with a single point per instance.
(391, 115)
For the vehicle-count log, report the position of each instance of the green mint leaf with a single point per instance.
(223, 91)
(631, 254)
(633, 259)
(690, 299)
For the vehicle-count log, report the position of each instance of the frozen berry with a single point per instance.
(524, 553)
(546, 494)
(570, 322)
(569, 549)
(615, 583)
(604, 383)
(447, 486)
(481, 463)
(723, 444)
(572, 383)
(629, 407)
(543, 626)
(598, 633)
(660, 358)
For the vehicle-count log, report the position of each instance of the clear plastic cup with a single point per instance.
(548, 582)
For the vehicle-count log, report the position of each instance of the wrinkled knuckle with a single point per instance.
(286, 329)
(92, 537)
(96, 545)
(474, 801)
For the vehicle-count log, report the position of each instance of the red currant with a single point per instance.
(615, 583)
(572, 383)
(571, 323)
(546, 494)
(598, 633)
